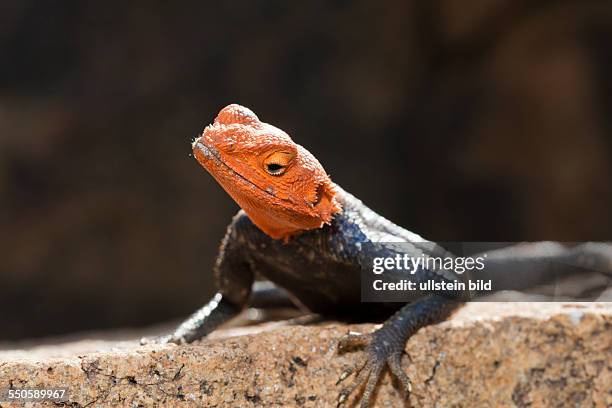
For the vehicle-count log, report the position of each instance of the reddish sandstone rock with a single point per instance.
(488, 354)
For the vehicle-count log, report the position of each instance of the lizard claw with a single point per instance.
(380, 351)
(395, 365)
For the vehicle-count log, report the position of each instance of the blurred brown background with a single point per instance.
(461, 120)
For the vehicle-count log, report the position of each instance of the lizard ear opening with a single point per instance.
(326, 203)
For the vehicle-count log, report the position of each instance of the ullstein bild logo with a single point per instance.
(404, 272)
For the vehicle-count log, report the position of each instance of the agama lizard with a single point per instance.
(303, 233)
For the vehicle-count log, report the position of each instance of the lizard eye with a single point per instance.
(275, 169)
(278, 162)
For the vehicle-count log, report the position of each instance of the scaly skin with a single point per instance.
(279, 184)
(307, 235)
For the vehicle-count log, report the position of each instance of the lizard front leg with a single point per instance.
(234, 278)
(385, 346)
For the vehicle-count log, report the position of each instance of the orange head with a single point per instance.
(281, 186)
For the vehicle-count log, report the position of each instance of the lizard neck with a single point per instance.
(279, 220)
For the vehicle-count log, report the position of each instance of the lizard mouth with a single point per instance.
(211, 153)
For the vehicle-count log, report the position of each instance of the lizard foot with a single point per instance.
(381, 349)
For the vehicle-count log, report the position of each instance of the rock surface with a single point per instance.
(486, 355)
